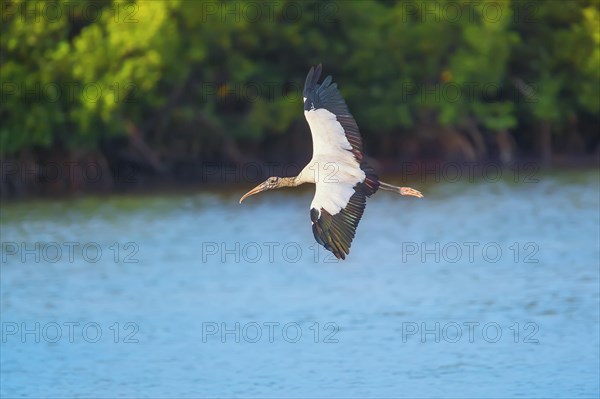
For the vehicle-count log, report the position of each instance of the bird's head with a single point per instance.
(269, 184)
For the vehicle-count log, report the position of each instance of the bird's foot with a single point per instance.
(410, 191)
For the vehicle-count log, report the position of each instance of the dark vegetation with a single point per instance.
(104, 95)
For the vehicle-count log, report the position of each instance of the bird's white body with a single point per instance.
(333, 168)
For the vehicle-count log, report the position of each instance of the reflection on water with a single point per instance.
(478, 290)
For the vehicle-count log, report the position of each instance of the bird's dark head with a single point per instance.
(269, 184)
(272, 182)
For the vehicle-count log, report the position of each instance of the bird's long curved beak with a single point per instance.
(258, 189)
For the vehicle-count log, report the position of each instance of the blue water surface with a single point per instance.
(489, 289)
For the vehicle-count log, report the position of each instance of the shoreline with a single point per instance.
(235, 178)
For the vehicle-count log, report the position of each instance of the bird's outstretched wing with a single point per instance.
(335, 231)
(340, 198)
(332, 125)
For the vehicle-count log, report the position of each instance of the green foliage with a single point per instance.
(76, 78)
(559, 54)
(238, 67)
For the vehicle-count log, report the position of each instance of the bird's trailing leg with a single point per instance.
(400, 190)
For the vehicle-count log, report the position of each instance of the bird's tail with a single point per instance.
(400, 190)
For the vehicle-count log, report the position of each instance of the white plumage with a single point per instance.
(333, 167)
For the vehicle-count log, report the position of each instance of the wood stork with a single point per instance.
(342, 177)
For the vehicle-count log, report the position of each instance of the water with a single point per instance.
(478, 290)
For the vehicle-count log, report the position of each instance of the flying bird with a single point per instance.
(342, 177)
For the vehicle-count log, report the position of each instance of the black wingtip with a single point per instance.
(311, 79)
